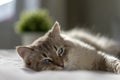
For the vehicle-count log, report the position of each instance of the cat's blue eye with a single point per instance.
(60, 51)
(46, 61)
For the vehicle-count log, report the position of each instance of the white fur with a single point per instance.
(78, 42)
(97, 39)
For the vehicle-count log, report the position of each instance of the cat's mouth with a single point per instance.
(59, 65)
(59, 68)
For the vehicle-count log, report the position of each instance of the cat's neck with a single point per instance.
(81, 55)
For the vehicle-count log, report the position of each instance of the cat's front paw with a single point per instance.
(116, 65)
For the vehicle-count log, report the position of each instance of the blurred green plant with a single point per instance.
(34, 21)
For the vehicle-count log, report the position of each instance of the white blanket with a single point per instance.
(12, 68)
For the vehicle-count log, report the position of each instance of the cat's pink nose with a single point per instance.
(61, 65)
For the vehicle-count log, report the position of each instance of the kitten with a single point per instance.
(74, 51)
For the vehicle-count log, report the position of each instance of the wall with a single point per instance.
(100, 15)
(57, 9)
(8, 38)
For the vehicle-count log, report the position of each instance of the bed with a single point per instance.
(12, 68)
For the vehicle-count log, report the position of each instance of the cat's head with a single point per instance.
(46, 53)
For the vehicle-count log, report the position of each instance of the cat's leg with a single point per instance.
(94, 40)
(107, 63)
(101, 43)
(113, 65)
(104, 44)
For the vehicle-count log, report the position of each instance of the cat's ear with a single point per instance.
(55, 30)
(23, 51)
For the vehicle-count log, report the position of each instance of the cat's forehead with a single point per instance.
(44, 47)
(50, 42)
(47, 42)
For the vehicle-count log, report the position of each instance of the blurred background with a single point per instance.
(102, 16)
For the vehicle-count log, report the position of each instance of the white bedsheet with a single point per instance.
(11, 68)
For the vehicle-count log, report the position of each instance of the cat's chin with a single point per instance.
(53, 69)
(58, 68)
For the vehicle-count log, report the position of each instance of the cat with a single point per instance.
(72, 50)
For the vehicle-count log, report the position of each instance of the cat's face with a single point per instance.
(46, 53)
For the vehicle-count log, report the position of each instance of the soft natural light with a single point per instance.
(2, 2)
(7, 9)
